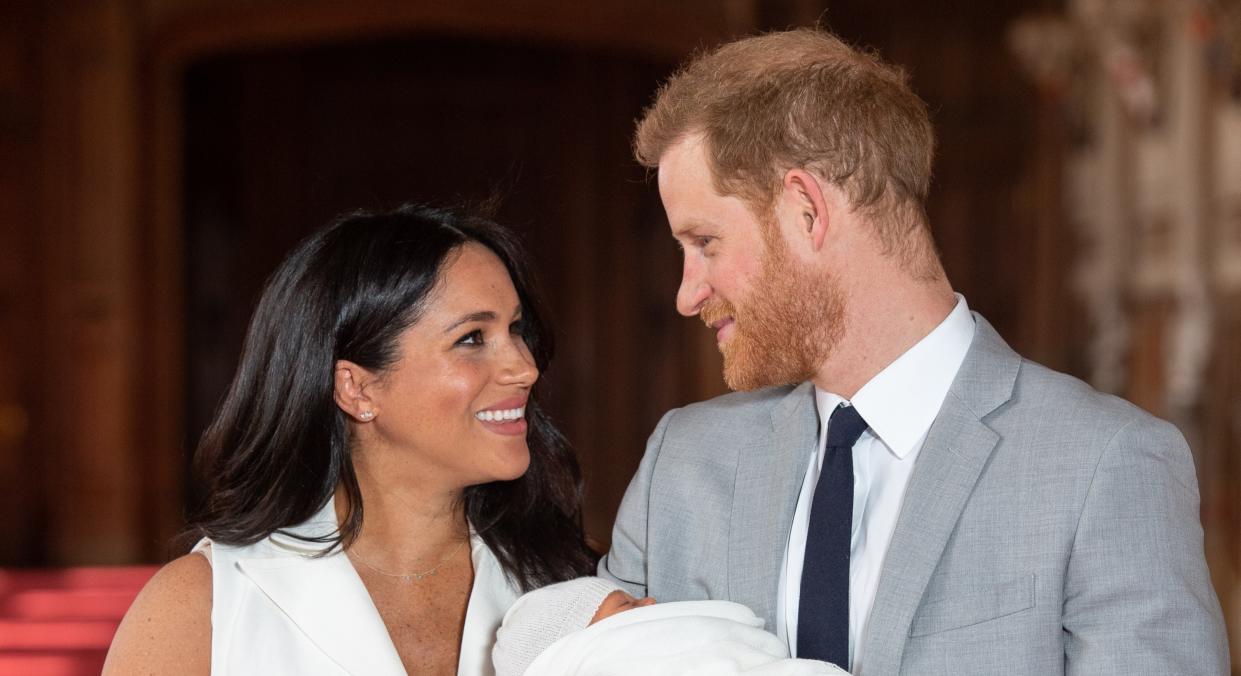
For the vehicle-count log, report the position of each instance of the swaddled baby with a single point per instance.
(590, 627)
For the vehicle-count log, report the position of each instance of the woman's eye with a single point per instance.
(474, 337)
(518, 328)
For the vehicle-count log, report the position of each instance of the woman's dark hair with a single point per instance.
(279, 446)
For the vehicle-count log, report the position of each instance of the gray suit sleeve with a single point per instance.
(626, 563)
(1138, 597)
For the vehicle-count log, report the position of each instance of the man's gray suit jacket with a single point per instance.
(1047, 528)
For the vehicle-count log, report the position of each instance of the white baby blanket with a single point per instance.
(687, 638)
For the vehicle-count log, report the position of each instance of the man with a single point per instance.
(892, 488)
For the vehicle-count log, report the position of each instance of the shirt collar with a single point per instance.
(901, 401)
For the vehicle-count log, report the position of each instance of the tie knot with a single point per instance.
(844, 427)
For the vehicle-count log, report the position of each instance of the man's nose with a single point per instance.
(694, 289)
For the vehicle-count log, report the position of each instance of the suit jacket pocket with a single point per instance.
(974, 605)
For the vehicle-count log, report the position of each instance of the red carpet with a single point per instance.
(60, 622)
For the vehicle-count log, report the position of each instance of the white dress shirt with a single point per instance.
(899, 404)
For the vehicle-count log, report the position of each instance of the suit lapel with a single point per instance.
(953, 456)
(324, 598)
(768, 481)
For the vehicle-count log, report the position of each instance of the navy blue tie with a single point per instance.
(823, 611)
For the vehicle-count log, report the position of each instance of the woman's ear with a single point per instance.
(351, 383)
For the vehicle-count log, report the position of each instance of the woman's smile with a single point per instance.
(507, 417)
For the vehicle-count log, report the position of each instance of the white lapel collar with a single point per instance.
(324, 598)
(490, 598)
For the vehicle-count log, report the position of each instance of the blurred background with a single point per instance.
(159, 157)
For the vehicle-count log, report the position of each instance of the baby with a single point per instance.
(591, 627)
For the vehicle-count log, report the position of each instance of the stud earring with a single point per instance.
(366, 415)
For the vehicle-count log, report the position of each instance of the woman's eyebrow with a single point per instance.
(481, 316)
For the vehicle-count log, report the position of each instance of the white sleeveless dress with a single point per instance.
(276, 609)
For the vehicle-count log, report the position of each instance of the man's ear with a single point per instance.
(351, 384)
(812, 208)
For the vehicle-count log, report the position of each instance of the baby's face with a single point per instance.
(618, 602)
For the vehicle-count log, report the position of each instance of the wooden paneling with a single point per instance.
(68, 348)
(87, 208)
(188, 29)
(22, 505)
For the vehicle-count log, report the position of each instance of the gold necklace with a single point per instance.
(407, 577)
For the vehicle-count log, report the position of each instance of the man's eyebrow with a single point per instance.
(690, 228)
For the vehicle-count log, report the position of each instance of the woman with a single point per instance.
(381, 485)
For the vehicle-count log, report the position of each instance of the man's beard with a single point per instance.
(785, 328)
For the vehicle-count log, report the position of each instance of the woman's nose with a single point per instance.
(518, 367)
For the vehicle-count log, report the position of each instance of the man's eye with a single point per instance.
(474, 337)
